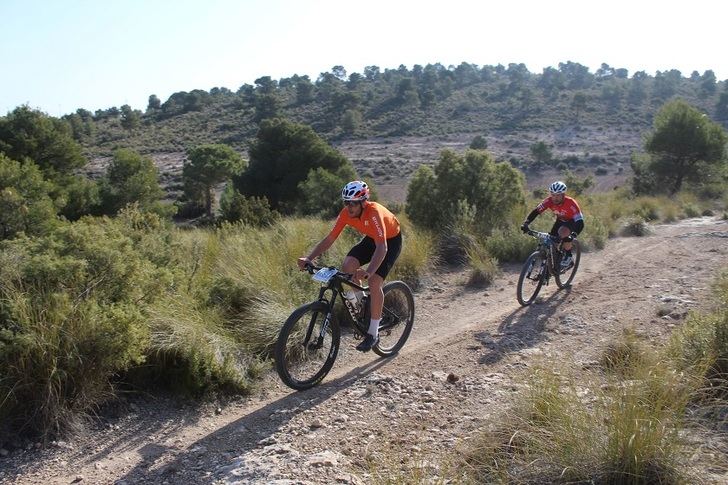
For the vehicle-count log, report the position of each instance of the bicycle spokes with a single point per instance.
(535, 270)
(397, 318)
(307, 347)
(531, 279)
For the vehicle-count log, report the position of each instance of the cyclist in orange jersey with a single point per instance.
(380, 247)
(569, 219)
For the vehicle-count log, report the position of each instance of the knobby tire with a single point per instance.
(398, 317)
(532, 264)
(303, 366)
(564, 279)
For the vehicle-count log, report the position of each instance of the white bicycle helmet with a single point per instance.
(355, 191)
(557, 187)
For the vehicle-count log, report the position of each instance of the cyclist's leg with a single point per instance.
(376, 297)
(376, 285)
(359, 255)
(565, 232)
(376, 281)
(350, 264)
(562, 230)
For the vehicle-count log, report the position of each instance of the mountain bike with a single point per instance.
(544, 263)
(308, 342)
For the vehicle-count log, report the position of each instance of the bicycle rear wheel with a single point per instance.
(305, 351)
(564, 277)
(531, 279)
(398, 317)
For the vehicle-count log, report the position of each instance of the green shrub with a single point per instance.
(453, 245)
(254, 211)
(130, 298)
(131, 179)
(635, 226)
(691, 210)
(595, 234)
(58, 354)
(492, 191)
(648, 208)
(624, 356)
(417, 258)
(670, 214)
(483, 267)
(509, 245)
(479, 143)
(26, 205)
(72, 316)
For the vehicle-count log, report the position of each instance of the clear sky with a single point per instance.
(60, 55)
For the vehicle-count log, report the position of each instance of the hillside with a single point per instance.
(409, 418)
(389, 122)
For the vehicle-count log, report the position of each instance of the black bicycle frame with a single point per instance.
(548, 249)
(334, 285)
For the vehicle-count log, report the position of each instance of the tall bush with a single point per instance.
(71, 317)
(282, 157)
(25, 202)
(493, 191)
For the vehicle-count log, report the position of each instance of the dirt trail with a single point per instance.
(402, 412)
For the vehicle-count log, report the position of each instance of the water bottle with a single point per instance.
(352, 297)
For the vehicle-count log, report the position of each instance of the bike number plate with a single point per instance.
(324, 274)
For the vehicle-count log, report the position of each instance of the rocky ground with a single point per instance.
(405, 417)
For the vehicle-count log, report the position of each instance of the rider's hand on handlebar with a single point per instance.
(524, 226)
(573, 235)
(302, 262)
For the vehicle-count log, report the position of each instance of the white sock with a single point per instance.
(374, 326)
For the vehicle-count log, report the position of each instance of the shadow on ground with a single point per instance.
(243, 434)
(521, 329)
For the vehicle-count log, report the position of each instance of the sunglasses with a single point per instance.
(349, 203)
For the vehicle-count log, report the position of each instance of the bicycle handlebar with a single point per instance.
(310, 268)
(543, 235)
(537, 234)
(345, 277)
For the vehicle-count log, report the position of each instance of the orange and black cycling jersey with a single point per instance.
(375, 221)
(568, 210)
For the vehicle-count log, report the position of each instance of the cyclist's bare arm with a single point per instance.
(322, 246)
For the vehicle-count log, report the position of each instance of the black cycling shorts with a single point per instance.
(364, 250)
(570, 224)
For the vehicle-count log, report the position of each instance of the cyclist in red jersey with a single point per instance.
(380, 247)
(569, 219)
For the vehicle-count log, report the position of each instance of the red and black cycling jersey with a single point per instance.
(568, 210)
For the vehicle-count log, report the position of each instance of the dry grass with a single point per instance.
(574, 430)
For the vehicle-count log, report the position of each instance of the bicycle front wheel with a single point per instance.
(565, 276)
(398, 316)
(307, 346)
(531, 279)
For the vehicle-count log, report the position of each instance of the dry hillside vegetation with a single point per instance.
(411, 417)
